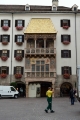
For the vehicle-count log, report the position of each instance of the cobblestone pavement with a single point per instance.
(33, 109)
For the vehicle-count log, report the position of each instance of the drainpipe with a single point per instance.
(76, 44)
(11, 50)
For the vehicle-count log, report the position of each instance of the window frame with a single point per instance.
(65, 53)
(66, 69)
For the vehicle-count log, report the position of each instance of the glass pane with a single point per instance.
(37, 68)
(42, 62)
(33, 67)
(42, 67)
(37, 62)
(5, 38)
(47, 67)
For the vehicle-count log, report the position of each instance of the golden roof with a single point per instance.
(40, 25)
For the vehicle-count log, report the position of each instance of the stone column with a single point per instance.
(35, 43)
(27, 90)
(44, 42)
(53, 88)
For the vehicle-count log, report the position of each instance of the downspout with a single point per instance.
(11, 50)
(76, 46)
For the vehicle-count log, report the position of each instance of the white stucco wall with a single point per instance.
(55, 17)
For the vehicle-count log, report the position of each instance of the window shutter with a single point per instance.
(61, 53)
(23, 23)
(7, 70)
(61, 38)
(7, 53)
(69, 38)
(69, 53)
(22, 38)
(14, 53)
(22, 70)
(15, 23)
(0, 70)
(1, 38)
(70, 70)
(14, 70)
(62, 70)
(9, 23)
(8, 38)
(15, 38)
(0, 53)
(22, 53)
(1, 23)
(61, 23)
(69, 23)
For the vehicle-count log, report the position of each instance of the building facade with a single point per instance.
(39, 47)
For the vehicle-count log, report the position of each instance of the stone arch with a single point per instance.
(21, 86)
(65, 89)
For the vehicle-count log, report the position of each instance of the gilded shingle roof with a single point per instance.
(40, 25)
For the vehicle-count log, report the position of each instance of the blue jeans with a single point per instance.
(72, 101)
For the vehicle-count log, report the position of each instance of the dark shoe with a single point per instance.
(52, 111)
(46, 111)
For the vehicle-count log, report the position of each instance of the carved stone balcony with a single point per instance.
(40, 75)
(40, 51)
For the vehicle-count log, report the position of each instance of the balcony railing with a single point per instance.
(31, 51)
(40, 75)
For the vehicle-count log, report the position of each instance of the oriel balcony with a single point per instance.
(40, 51)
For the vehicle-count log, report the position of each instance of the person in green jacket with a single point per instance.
(49, 100)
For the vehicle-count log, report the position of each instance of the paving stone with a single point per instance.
(33, 109)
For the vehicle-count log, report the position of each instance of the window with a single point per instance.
(27, 8)
(4, 70)
(65, 38)
(18, 70)
(12, 89)
(47, 67)
(19, 23)
(65, 23)
(66, 53)
(75, 9)
(40, 66)
(18, 53)
(4, 38)
(5, 23)
(66, 69)
(54, 8)
(4, 53)
(33, 68)
(19, 38)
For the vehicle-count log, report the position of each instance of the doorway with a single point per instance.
(44, 88)
(65, 89)
(21, 88)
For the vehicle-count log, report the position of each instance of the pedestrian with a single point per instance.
(49, 100)
(72, 96)
(75, 97)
